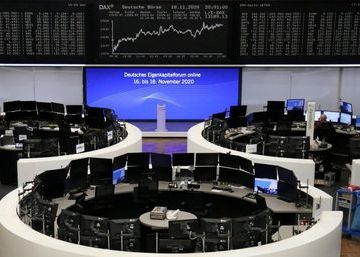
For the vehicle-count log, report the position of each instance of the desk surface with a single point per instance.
(164, 224)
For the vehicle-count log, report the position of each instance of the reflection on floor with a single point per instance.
(350, 247)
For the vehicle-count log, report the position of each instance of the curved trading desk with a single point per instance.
(304, 169)
(18, 239)
(29, 168)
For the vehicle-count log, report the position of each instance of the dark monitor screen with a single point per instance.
(119, 161)
(183, 159)
(57, 107)
(74, 109)
(346, 107)
(230, 175)
(246, 165)
(205, 173)
(238, 111)
(183, 228)
(160, 160)
(206, 159)
(357, 122)
(95, 117)
(78, 174)
(236, 122)
(12, 106)
(133, 174)
(138, 159)
(28, 105)
(247, 179)
(275, 106)
(43, 107)
(295, 104)
(52, 183)
(230, 161)
(345, 118)
(101, 171)
(287, 191)
(265, 171)
(286, 175)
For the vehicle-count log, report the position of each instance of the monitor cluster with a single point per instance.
(203, 235)
(49, 129)
(271, 131)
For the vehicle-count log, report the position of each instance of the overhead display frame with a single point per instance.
(233, 32)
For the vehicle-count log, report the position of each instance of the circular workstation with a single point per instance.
(37, 136)
(276, 138)
(112, 209)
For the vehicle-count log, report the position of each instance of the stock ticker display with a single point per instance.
(180, 32)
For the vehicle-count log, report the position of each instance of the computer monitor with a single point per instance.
(266, 186)
(317, 115)
(229, 175)
(295, 115)
(183, 228)
(295, 104)
(247, 179)
(286, 175)
(206, 159)
(346, 107)
(95, 117)
(246, 165)
(134, 173)
(101, 171)
(265, 171)
(160, 160)
(219, 115)
(357, 122)
(74, 109)
(275, 110)
(118, 168)
(44, 107)
(12, 106)
(183, 159)
(229, 161)
(205, 173)
(77, 175)
(28, 105)
(52, 183)
(236, 122)
(287, 191)
(138, 159)
(332, 116)
(345, 118)
(237, 111)
(57, 107)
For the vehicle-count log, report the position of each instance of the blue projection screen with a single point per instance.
(188, 93)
